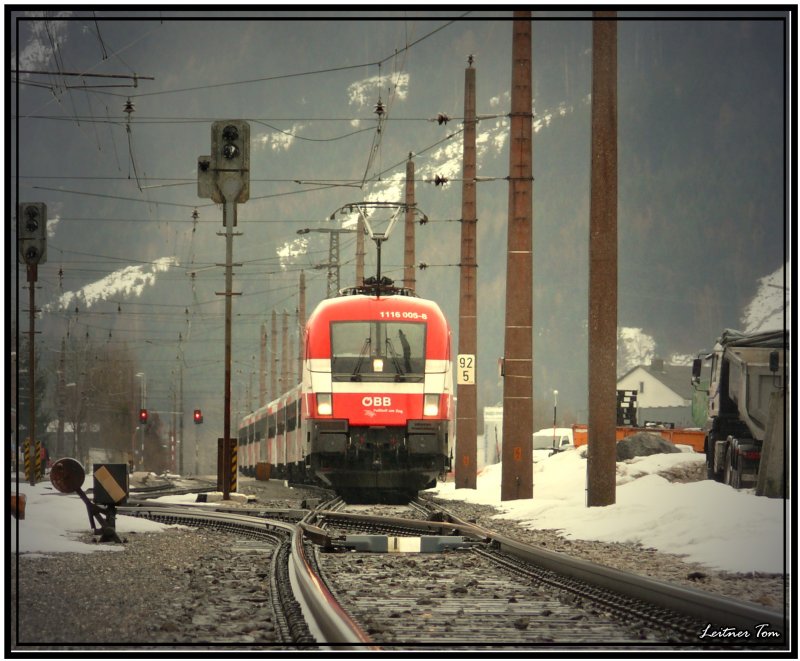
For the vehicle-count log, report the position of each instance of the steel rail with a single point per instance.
(705, 606)
(335, 624)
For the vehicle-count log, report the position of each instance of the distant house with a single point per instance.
(663, 392)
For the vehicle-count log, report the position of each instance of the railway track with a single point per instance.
(259, 539)
(479, 590)
(496, 592)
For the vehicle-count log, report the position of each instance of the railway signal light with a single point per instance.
(32, 232)
(230, 158)
(143, 416)
(198, 417)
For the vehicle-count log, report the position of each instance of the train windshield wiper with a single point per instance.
(401, 375)
(364, 350)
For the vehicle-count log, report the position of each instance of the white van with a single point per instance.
(553, 438)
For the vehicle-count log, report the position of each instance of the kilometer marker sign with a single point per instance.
(465, 372)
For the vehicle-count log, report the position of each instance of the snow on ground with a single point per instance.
(54, 522)
(704, 521)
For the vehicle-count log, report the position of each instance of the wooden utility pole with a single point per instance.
(409, 279)
(517, 471)
(601, 469)
(466, 468)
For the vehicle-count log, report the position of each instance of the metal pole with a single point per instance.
(32, 273)
(555, 409)
(601, 460)
(333, 264)
(517, 470)
(378, 244)
(466, 469)
(229, 220)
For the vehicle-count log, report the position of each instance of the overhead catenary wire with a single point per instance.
(142, 180)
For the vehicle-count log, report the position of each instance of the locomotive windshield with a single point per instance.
(377, 351)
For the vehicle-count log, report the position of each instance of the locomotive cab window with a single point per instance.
(377, 351)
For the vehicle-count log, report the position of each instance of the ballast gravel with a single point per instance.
(174, 588)
(196, 589)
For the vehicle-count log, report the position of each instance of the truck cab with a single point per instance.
(746, 369)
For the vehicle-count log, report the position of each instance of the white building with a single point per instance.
(663, 392)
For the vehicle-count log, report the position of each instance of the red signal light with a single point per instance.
(198, 416)
(143, 416)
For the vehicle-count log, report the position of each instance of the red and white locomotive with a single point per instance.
(371, 418)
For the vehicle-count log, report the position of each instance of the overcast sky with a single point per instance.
(702, 115)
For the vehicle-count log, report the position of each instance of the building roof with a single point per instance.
(677, 378)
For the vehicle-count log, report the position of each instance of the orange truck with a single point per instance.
(693, 437)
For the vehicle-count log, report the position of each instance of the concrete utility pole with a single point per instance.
(360, 232)
(60, 449)
(262, 372)
(517, 472)
(273, 383)
(285, 353)
(409, 279)
(180, 413)
(301, 325)
(466, 468)
(601, 468)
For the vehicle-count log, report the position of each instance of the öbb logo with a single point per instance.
(376, 401)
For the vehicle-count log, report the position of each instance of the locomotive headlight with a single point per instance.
(431, 406)
(324, 404)
(377, 364)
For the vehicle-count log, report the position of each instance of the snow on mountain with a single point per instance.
(129, 281)
(771, 307)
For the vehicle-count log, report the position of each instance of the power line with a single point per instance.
(314, 72)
